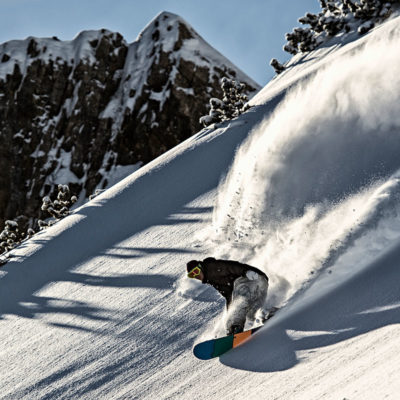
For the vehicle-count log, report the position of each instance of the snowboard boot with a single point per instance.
(234, 329)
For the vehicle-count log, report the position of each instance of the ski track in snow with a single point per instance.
(97, 306)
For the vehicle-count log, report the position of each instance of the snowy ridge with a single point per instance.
(168, 25)
(50, 50)
(99, 306)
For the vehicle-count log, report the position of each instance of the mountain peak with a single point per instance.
(86, 109)
(170, 33)
(168, 29)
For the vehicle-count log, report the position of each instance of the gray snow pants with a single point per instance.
(247, 298)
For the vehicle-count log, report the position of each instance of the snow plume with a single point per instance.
(189, 288)
(320, 173)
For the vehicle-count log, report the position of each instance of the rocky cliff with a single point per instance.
(89, 111)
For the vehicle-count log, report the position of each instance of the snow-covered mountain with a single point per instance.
(89, 111)
(305, 185)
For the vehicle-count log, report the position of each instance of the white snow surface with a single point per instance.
(305, 186)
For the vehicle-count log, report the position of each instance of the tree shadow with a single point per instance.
(36, 305)
(151, 344)
(33, 305)
(104, 223)
(154, 281)
(367, 302)
(139, 252)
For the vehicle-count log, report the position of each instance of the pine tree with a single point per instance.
(336, 17)
(323, 4)
(350, 6)
(9, 237)
(232, 104)
(278, 67)
(60, 207)
(310, 19)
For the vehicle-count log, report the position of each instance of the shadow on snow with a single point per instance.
(367, 302)
(146, 202)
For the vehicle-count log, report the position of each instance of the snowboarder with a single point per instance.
(244, 288)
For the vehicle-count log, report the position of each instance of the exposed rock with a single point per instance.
(74, 112)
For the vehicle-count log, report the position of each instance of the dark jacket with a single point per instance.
(221, 274)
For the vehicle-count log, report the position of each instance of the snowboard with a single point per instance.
(216, 347)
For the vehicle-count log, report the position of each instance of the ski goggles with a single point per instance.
(196, 271)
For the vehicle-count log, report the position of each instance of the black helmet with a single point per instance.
(192, 264)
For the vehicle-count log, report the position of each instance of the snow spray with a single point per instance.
(318, 174)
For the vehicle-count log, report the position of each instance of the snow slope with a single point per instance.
(305, 186)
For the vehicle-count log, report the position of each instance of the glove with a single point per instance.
(251, 275)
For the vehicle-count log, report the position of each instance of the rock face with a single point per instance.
(89, 111)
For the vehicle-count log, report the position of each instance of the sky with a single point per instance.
(248, 33)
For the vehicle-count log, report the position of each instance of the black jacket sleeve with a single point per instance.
(221, 274)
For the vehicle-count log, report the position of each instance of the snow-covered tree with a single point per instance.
(9, 237)
(349, 5)
(58, 208)
(278, 67)
(336, 17)
(232, 104)
(312, 20)
(340, 16)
